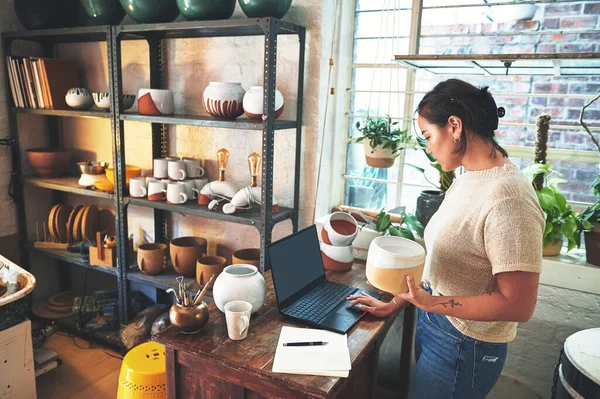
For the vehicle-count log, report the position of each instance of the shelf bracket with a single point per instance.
(9, 141)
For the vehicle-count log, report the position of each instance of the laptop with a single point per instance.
(303, 292)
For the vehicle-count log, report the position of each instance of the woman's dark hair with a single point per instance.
(475, 107)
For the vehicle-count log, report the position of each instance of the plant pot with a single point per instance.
(49, 162)
(152, 258)
(554, 248)
(253, 103)
(265, 8)
(427, 204)
(240, 283)
(103, 12)
(207, 266)
(340, 229)
(592, 245)
(46, 14)
(204, 10)
(513, 12)
(378, 157)
(150, 11)
(223, 99)
(247, 256)
(337, 258)
(185, 252)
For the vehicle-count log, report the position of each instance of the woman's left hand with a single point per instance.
(417, 295)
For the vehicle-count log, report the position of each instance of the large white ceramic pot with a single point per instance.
(378, 157)
(337, 258)
(253, 103)
(391, 259)
(156, 102)
(223, 99)
(240, 283)
(514, 12)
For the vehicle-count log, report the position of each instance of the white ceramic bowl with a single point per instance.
(391, 259)
(102, 100)
(341, 229)
(79, 98)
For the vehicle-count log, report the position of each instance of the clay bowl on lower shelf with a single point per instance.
(247, 256)
(49, 162)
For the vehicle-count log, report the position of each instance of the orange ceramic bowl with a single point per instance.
(130, 171)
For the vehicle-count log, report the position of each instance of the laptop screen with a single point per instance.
(295, 262)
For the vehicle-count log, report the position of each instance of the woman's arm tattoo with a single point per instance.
(452, 303)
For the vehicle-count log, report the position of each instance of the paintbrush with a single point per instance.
(200, 294)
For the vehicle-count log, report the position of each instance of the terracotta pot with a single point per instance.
(156, 102)
(207, 266)
(379, 157)
(185, 251)
(592, 245)
(554, 248)
(253, 103)
(189, 319)
(337, 258)
(49, 162)
(152, 258)
(340, 229)
(247, 256)
(223, 99)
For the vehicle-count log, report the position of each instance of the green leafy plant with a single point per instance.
(382, 132)
(561, 219)
(407, 229)
(592, 213)
(446, 178)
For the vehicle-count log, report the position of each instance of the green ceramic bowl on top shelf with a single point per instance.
(204, 10)
(103, 12)
(265, 8)
(150, 11)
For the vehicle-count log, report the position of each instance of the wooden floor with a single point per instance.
(84, 374)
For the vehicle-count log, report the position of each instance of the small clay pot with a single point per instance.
(188, 319)
(207, 266)
(185, 251)
(152, 258)
(247, 256)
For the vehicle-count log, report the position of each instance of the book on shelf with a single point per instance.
(40, 82)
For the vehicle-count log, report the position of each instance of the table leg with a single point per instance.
(406, 355)
(171, 376)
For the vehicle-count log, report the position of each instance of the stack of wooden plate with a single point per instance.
(58, 306)
(68, 224)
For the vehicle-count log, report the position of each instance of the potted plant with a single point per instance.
(409, 228)
(429, 201)
(382, 139)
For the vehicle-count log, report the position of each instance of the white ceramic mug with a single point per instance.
(176, 170)
(193, 168)
(137, 187)
(176, 193)
(161, 167)
(237, 314)
(199, 183)
(190, 189)
(156, 190)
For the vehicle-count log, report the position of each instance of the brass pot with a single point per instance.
(188, 319)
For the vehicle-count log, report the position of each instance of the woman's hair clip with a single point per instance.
(452, 99)
(501, 112)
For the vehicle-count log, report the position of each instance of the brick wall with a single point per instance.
(564, 111)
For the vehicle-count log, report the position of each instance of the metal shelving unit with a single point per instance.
(205, 121)
(66, 185)
(73, 259)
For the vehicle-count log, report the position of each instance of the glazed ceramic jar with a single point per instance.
(253, 103)
(156, 102)
(265, 8)
(203, 10)
(240, 283)
(103, 12)
(150, 11)
(223, 99)
(46, 14)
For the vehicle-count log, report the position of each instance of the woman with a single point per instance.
(484, 251)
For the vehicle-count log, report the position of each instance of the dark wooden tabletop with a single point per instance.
(255, 354)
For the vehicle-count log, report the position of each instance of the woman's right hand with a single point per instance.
(371, 305)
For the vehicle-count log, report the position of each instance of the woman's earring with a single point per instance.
(456, 140)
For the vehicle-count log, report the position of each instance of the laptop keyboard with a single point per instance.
(319, 302)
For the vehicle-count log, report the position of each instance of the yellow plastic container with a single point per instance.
(143, 373)
(130, 171)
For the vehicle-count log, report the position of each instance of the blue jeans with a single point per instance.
(451, 364)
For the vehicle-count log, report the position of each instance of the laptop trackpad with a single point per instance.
(339, 321)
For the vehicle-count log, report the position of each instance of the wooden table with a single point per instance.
(210, 365)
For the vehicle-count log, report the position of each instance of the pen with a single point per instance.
(311, 343)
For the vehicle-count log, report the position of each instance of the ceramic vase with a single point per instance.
(152, 258)
(427, 205)
(156, 102)
(103, 12)
(223, 99)
(150, 11)
(203, 10)
(79, 98)
(265, 8)
(337, 258)
(46, 14)
(240, 283)
(253, 103)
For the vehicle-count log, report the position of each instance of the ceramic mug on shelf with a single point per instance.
(137, 187)
(237, 315)
(199, 183)
(176, 170)
(176, 193)
(190, 189)
(193, 168)
(156, 190)
(160, 168)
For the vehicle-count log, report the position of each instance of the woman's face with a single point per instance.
(440, 143)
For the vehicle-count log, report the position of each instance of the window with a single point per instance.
(379, 87)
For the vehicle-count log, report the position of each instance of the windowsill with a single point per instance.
(571, 271)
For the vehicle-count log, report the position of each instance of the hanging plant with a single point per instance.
(383, 140)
